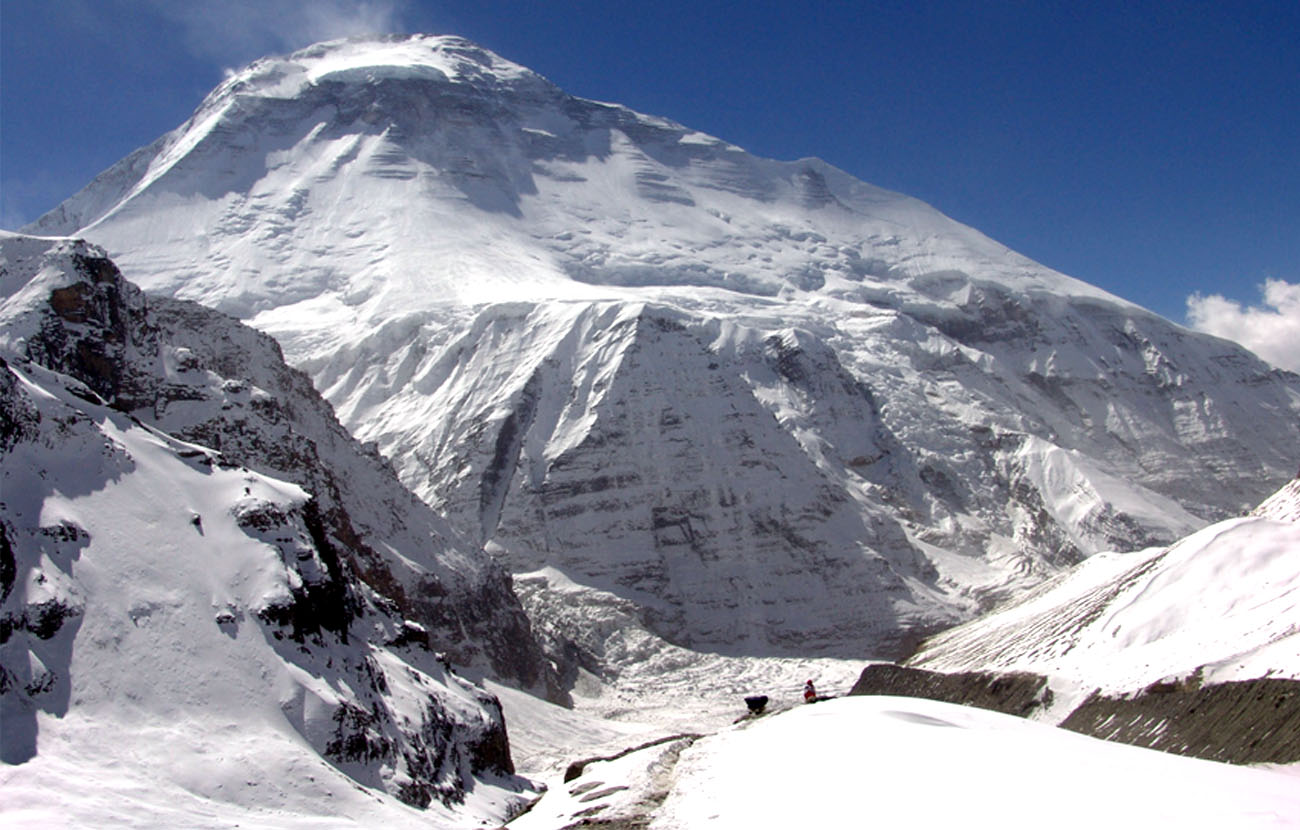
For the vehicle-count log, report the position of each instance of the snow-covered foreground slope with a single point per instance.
(1222, 602)
(905, 762)
(182, 629)
(777, 409)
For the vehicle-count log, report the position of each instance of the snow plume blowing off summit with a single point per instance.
(771, 408)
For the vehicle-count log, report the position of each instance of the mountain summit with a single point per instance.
(505, 185)
(761, 407)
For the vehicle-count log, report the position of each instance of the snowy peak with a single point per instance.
(306, 159)
(369, 59)
(357, 85)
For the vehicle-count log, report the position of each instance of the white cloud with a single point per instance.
(1271, 330)
(236, 31)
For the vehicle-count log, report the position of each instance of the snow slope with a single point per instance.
(780, 410)
(893, 761)
(1221, 602)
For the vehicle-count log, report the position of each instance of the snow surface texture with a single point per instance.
(1222, 602)
(779, 410)
(181, 629)
(899, 762)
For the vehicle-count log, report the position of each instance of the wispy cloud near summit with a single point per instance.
(237, 31)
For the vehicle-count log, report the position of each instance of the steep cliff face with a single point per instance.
(726, 472)
(713, 383)
(631, 447)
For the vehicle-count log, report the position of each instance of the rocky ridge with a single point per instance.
(142, 570)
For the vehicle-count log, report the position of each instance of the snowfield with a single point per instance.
(195, 774)
(902, 762)
(906, 762)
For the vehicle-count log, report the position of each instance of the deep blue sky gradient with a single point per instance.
(1151, 148)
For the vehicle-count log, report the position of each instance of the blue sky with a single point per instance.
(1151, 148)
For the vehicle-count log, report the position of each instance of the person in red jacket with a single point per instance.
(809, 693)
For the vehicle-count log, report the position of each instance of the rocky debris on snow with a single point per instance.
(619, 791)
(576, 768)
(1283, 506)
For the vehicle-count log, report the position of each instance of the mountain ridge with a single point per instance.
(224, 610)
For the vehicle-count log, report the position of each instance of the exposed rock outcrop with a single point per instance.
(1018, 693)
(1240, 722)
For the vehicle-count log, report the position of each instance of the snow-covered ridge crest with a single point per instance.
(1218, 604)
(454, 57)
(369, 59)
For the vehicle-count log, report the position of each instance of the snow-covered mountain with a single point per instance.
(775, 409)
(205, 582)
